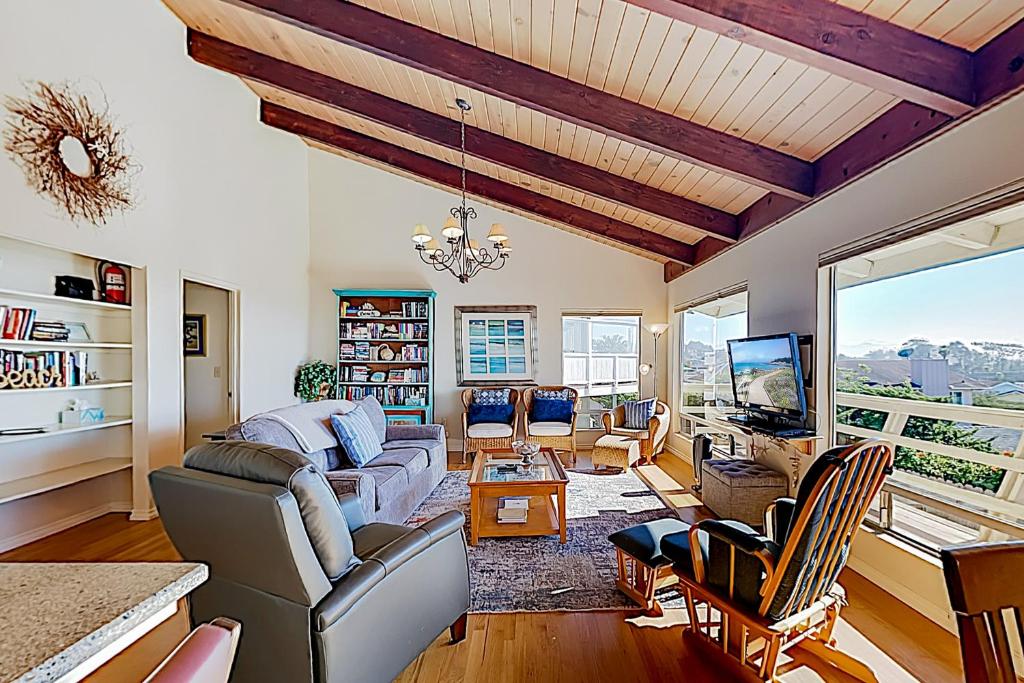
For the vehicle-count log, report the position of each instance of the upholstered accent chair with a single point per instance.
(497, 434)
(559, 436)
(652, 438)
(764, 593)
(322, 595)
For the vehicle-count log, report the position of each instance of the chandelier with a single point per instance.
(461, 256)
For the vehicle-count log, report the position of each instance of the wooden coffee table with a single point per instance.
(545, 479)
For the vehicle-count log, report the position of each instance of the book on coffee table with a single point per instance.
(513, 509)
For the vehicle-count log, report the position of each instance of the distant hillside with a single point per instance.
(979, 360)
(695, 350)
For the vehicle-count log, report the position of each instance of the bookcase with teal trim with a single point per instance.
(386, 348)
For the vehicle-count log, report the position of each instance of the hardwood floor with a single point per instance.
(898, 643)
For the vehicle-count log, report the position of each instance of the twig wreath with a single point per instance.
(71, 152)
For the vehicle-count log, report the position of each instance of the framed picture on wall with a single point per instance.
(495, 344)
(194, 331)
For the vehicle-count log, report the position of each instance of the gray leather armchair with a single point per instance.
(322, 596)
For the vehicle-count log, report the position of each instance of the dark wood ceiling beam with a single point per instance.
(539, 90)
(480, 185)
(443, 131)
(842, 41)
(673, 270)
(999, 65)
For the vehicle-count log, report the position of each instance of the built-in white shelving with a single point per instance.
(55, 479)
(63, 345)
(77, 387)
(65, 429)
(60, 300)
(43, 481)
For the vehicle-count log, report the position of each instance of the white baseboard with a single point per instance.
(142, 515)
(59, 525)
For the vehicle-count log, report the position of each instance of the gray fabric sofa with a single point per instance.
(322, 595)
(390, 486)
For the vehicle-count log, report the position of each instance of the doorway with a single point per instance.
(209, 360)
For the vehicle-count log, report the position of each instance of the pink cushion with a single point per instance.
(205, 656)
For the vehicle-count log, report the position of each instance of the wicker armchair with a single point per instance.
(557, 436)
(488, 434)
(652, 439)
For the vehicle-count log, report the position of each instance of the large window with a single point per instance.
(601, 360)
(930, 354)
(704, 379)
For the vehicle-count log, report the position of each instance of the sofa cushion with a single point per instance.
(488, 412)
(310, 423)
(321, 514)
(390, 482)
(489, 430)
(414, 460)
(492, 396)
(375, 411)
(551, 410)
(357, 435)
(639, 413)
(550, 429)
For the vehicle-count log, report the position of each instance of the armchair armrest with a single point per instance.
(404, 432)
(778, 518)
(741, 537)
(347, 593)
(737, 534)
(616, 417)
(352, 508)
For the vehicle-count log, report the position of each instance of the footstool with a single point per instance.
(741, 489)
(643, 568)
(615, 451)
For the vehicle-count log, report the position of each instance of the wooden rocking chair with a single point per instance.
(761, 594)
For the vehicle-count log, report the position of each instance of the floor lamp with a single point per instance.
(656, 329)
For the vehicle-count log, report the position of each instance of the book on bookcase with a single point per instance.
(386, 349)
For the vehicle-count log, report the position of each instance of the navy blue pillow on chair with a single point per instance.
(550, 410)
(487, 412)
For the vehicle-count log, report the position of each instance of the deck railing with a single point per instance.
(1001, 510)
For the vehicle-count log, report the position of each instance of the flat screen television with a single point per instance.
(766, 375)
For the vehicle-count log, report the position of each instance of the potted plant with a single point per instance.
(314, 381)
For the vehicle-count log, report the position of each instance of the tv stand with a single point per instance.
(776, 427)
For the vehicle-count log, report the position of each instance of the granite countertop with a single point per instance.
(54, 616)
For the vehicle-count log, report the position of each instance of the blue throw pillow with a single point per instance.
(639, 413)
(490, 412)
(551, 410)
(357, 436)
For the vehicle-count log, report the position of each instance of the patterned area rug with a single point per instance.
(530, 574)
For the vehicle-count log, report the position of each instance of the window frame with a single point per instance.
(589, 316)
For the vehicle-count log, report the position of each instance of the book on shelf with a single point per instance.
(66, 368)
(16, 322)
(414, 309)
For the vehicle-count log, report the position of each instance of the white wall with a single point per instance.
(220, 195)
(781, 264)
(360, 222)
(207, 406)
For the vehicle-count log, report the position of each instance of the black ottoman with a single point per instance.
(643, 568)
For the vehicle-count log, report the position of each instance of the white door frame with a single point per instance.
(234, 345)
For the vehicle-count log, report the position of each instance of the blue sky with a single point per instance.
(977, 300)
(763, 351)
(700, 327)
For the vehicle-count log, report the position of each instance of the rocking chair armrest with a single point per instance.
(737, 534)
(778, 518)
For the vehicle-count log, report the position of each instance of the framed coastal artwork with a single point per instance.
(495, 344)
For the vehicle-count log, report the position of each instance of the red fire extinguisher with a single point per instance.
(113, 280)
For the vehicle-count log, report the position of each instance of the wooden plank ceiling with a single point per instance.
(668, 128)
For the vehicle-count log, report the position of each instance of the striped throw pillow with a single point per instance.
(357, 436)
(639, 413)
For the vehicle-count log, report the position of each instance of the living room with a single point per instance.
(722, 184)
